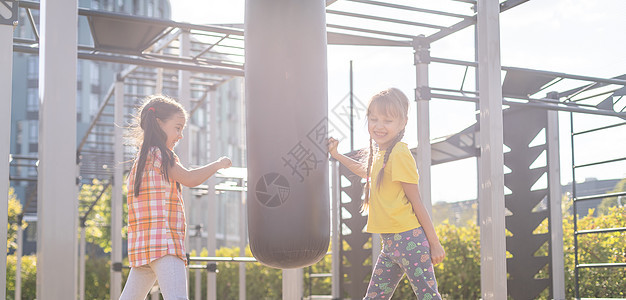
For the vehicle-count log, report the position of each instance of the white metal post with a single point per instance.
(242, 244)
(422, 99)
(491, 205)
(212, 197)
(57, 203)
(6, 77)
(116, 191)
(81, 265)
(292, 284)
(243, 219)
(335, 242)
(18, 261)
(183, 149)
(556, 214)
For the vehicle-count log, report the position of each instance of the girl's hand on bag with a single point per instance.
(437, 254)
(225, 162)
(332, 146)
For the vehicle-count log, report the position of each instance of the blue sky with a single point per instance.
(581, 37)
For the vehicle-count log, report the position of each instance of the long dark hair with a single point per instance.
(395, 103)
(147, 133)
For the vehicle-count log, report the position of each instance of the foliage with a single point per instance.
(458, 276)
(29, 277)
(596, 248)
(14, 212)
(97, 278)
(455, 213)
(98, 222)
(606, 203)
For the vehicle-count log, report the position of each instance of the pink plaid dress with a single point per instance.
(156, 217)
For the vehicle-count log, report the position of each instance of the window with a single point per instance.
(32, 100)
(95, 73)
(33, 131)
(33, 67)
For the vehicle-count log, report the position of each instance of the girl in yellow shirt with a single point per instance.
(396, 212)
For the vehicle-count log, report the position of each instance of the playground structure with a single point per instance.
(197, 69)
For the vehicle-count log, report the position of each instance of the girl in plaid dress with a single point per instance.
(156, 215)
(392, 198)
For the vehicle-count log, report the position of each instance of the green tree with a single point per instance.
(95, 199)
(29, 277)
(609, 202)
(14, 220)
(596, 248)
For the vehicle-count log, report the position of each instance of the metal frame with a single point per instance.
(575, 200)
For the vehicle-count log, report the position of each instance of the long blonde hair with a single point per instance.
(394, 103)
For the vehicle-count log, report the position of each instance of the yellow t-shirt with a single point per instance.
(389, 209)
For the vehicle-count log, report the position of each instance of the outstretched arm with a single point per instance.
(437, 253)
(355, 166)
(194, 177)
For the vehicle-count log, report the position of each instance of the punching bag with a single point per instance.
(286, 102)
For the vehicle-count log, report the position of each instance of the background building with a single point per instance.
(94, 81)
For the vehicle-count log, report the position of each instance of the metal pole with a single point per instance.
(81, 265)
(292, 284)
(556, 215)
(351, 110)
(212, 198)
(18, 261)
(242, 244)
(183, 149)
(422, 99)
(492, 221)
(116, 191)
(574, 209)
(6, 77)
(335, 243)
(243, 228)
(57, 203)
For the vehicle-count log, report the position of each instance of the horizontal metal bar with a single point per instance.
(17, 178)
(604, 230)
(538, 72)
(550, 105)
(411, 8)
(165, 22)
(321, 275)
(605, 265)
(143, 62)
(197, 267)
(452, 29)
(610, 195)
(453, 61)
(599, 128)
(383, 19)
(222, 259)
(454, 91)
(454, 97)
(369, 31)
(600, 162)
(17, 156)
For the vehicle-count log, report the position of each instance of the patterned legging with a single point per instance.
(403, 253)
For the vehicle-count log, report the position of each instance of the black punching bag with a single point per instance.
(286, 101)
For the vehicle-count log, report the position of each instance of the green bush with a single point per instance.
(458, 276)
(597, 248)
(29, 277)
